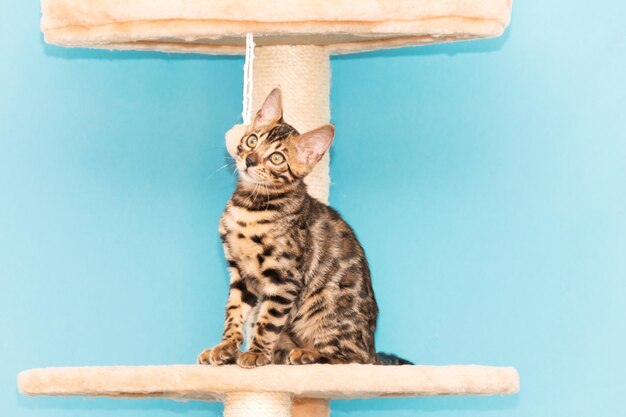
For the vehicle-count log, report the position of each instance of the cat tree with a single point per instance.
(295, 39)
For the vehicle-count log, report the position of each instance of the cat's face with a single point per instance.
(272, 152)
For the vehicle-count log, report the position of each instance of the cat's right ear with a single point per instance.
(271, 111)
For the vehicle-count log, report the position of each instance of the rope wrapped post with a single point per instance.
(257, 404)
(273, 404)
(303, 74)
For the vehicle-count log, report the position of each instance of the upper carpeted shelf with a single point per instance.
(220, 26)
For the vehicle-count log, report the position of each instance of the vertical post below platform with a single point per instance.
(273, 404)
(310, 407)
(257, 404)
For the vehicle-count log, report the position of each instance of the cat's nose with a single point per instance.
(250, 161)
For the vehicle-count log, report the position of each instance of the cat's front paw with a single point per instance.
(223, 354)
(203, 357)
(251, 359)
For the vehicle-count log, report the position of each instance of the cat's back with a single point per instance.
(337, 304)
(330, 231)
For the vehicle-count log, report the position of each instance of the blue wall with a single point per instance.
(486, 180)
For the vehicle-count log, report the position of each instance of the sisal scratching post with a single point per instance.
(257, 404)
(303, 74)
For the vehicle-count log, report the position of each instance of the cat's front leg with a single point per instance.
(274, 310)
(241, 299)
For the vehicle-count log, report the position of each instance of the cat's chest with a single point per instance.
(248, 234)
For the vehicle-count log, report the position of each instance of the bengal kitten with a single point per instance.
(296, 268)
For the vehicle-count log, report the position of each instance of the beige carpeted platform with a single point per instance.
(220, 26)
(211, 383)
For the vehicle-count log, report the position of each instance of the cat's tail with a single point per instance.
(383, 358)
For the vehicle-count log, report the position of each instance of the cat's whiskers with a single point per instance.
(222, 167)
(252, 196)
(256, 191)
(268, 197)
(218, 170)
(249, 197)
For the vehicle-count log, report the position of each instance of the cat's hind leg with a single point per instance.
(300, 356)
(281, 352)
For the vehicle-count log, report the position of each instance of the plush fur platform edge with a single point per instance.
(219, 27)
(211, 383)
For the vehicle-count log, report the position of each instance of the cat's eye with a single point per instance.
(277, 158)
(251, 141)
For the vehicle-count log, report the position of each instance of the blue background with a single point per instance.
(486, 180)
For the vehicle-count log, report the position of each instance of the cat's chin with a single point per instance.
(249, 179)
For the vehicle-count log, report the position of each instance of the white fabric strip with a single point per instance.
(248, 81)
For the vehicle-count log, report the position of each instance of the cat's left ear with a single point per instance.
(311, 146)
(271, 111)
